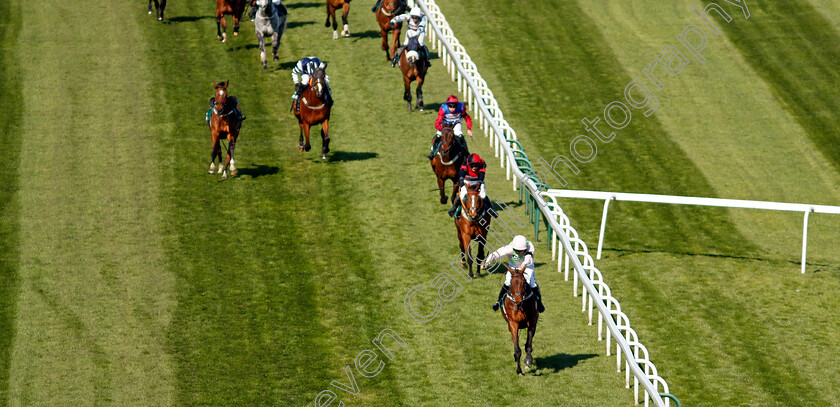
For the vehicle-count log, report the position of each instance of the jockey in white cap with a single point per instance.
(520, 254)
(416, 28)
(301, 72)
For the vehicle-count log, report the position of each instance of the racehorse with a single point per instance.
(413, 66)
(312, 109)
(225, 122)
(387, 10)
(472, 225)
(332, 5)
(230, 7)
(447, 162)
(159, 6)
(520, 312)
(269, 22)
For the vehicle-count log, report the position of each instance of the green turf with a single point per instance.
(10, 117)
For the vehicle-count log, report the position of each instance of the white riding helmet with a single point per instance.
(519, 243)
(415, 12)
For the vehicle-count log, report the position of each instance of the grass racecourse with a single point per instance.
(130, 277)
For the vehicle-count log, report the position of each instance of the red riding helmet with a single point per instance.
(474, 160)
(452, 99)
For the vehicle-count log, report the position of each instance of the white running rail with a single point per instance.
(690, 200)
(490, 118)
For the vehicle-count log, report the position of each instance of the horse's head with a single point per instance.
(318, 82)
(263, 6)
(447, 138)
(516, 292)
(390, 7)
(220, 96)
(473, 204)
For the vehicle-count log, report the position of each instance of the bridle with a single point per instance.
(472, 195)
(321, 84)
(445, 151)
(511, 295)
(391, 13)
(219, 111)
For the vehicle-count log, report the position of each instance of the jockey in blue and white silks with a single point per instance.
(416, 28)
(301, 72)
(520, 254)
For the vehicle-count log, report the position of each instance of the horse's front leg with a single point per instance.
(517, 352)
(407, 93)
(306, 146)
(221, 27)
(395, 41)
(480, 259)
(346, 11)
(325, 139)
(261, 41)
(215, 150)
(236, 23)
(230, 161)
(275, 45)
(300, 140)
(441, 188)
(162, 7)
(420, 79)
(150, 6)
(385, 43)
(532, 329)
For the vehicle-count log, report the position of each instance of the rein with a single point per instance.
(303, 99)
(450, 161)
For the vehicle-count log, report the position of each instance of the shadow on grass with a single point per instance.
(188, 19)
(367, 34)
(341, 156)
(295, 24)
(561, 361)
(286, 66)
(628, 252)
(304, 5)
(258, 171)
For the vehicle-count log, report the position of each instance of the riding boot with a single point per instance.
(434, 147)
(489, 205)
(426, 51)
(463, 142)
(376, 6)
(501, 296)
(540, 306)
(454, 210)
(396, 56)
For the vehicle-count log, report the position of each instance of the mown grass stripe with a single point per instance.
(10, 117)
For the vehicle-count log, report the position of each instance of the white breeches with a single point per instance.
(530, 277)
(463, 193)
(421, 37)
(455, 130)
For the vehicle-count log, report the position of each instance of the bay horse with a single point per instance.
(224, 123)
(333, 5)
(520, 312)
(387, 10)
(447, 162)
(159, 6)
(312, 109)
(269, 22)
(413, 66)
(473, 224)
(234, 8)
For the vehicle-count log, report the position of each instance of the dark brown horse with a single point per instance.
(225, 123)
(520, 312)
(333, 5)
(312, 109)
(446, 163)
(159, 6)
(387, 10)
(234, 8)
(413, 66)
(472, 225)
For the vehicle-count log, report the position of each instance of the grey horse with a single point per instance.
(269, 22)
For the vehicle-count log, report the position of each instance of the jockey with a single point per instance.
(301, 72)
(416, 28)
(520, 254)
(278, 4)
(450, 114)
(472, 171)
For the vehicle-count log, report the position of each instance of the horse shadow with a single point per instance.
(295, 24)
(368, 34)
(342, 156)
(188, 19)
(561, 361)
(433, 107)
(258, 171)
(303, 5)
(286, 65)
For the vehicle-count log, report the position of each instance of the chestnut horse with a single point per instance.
(520, 312)
(224, 123)
(159, 6)
(472, 225)
(447, 162)
(229, 7)
(333, 5)
(413, 66)
(387, 10)
(312, 109)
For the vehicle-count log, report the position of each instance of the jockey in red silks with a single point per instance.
(450, 115)
(472, 172)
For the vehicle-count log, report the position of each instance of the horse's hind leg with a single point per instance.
(441, 182)
(325, 139)
(275, 44)
(517, 352)
(236, 23)
(214, 152)
(529, 359)
(407, 94)
(231, 163)
(221, 27)
(327, 23)
(346, 11)
(420, 92)
(162, 7)
(150, 6)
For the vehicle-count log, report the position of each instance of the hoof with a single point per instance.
(150, 11)
(300, 148)
(346, 33)
(234, 173)
(265, 66)
(323, 156)
(307, 148)
(160, 18)
(276, 58)
(224, 176)
(443, 200)
(235, 33)
(335, 35)
(520, 374)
